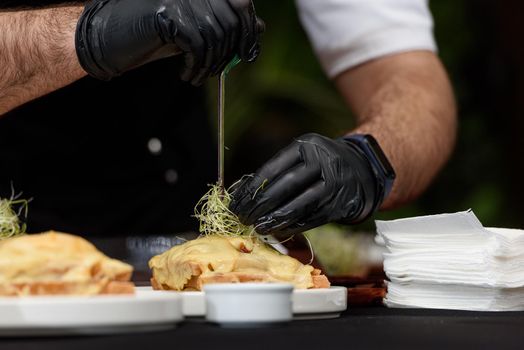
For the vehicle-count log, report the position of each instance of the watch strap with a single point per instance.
(382, 168)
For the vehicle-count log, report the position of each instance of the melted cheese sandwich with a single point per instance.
(215, 259)
(56, 263)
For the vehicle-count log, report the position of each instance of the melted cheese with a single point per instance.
(212, 256)
(56, 257)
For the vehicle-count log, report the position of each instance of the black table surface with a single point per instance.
(358, 328)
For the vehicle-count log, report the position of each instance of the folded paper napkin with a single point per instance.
(451, 261)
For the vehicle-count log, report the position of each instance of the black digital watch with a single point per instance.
(384, 172)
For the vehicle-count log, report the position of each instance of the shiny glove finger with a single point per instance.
(300, 226)
(280, 163)
(238, 191)
(194, 48)
(261, 26)
(249, 29)
(213, 36)
(299, 208)
(287, 187)
(243, 194)
(230, 26)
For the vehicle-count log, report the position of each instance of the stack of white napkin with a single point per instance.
(451, 261)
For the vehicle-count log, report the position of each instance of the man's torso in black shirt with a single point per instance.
(82, 153)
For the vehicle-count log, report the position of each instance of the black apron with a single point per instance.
(126, 157)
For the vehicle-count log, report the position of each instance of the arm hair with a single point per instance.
(37, 53)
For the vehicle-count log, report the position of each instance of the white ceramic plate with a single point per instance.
(307, 304)
(74, 315)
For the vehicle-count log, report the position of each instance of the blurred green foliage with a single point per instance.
(286, 94)
(286, 86)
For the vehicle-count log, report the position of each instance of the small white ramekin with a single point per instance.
(248, 304)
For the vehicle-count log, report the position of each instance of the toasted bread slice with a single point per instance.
(66, 288)
(197, 282)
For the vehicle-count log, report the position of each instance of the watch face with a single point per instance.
(379, 154)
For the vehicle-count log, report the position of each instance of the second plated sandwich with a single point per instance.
(217, 259)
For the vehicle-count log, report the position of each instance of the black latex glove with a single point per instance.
(114, 36)
(314, 181)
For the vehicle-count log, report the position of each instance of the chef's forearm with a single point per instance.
(407, 103)
(37, 53)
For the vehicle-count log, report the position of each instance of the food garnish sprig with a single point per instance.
(10, 212)
(214, 215)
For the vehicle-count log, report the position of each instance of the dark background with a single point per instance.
(285, 94)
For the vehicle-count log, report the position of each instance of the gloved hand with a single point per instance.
(114, 36)
(314, 181)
